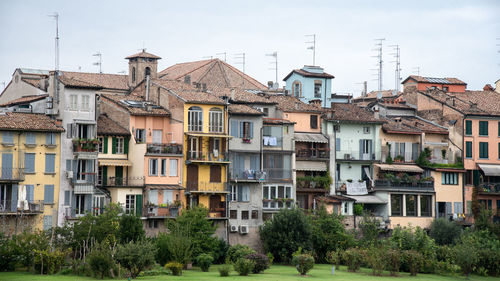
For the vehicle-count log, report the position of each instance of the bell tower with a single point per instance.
(141, 65)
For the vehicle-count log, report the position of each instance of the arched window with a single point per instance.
(133, 74)
(216, 124)
(195, 119)
(147, 71)
(296, 88)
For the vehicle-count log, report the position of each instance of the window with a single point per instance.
(73, 102)
(173, 168)
(445, 88)
(296, 89)
(468, 149)
(29, 163)
(337, 144)
(50, 139)
(396, 205)
(48, 194)
(98, 205)
(244, 215)
(85, 102)
(30, 138)
(140, 135)
(67, 198)
(30, 193)
(499, 152)
(147, 71)
(246, 130)
(317, 90)
(195, 119)
(449, 178)
(194, 148)
(157, 136)
(272, 135)
(153, 167)
(50, 163)
(255, 214)
(101, 144)
(483, 150)
(468, 127)
(215, 173)
(243, 193)
(499, 129)
(152, 223)
(133, 74)
(100, 173)
(265, 110)
(233, 214)
(366, 130)
(80, 204)
(163, 167)
(483, 128)
(411, 205)
(313, 121)
(425, 205)
(272, 191)
(216, 120)
(120, 145)
(130, 204)
(234, 193)
(8, 137)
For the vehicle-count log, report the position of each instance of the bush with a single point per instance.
(444, 232)
(101, 262)
(130, 228)
(239, 251)
(270, 257)
(175, 268)
(261, 262)
(414, 260)
(136, 256)
(303, 263)
(204, 261)
(220, 253)
(334, 257)
(353, 259)
(49, 262)
(393, 261)
(416, 239)
(244, 266)
(487, 247)
(370, 230)
(376, 260)
(466, 256)
(357, 209)
(224, 270)
(179, 245)
(285, 233)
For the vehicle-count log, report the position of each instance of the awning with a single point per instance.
(490, 169)
(209, 135)
(306, 137)
(400, 168)
(114, 162)
(164, 187)
(366, 199)
(310, 166)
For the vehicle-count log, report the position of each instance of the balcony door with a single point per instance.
(119, 175)
(192, 177)
(214, 203)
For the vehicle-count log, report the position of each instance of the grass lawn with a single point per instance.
(276, 272)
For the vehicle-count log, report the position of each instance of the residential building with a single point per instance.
(423, 83)
(310, 83)
(30, 168)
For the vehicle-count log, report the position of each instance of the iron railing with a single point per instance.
(163, 148)
(122, 181)
(206, 186)
(10, 206)
(11, 174)
(312, 153)
(208, 157)
(386, 184)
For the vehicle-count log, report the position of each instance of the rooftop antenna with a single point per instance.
(218, 54)
(99, 63)
(397, 72)
(416, 70)
(378, 48)
(79, 68)
(498, 45)
(313, 47)
(122, 72)
(207, 57)
(56, 66)
(365, 88)
(241, 57)
(275, 68)
(3, 84)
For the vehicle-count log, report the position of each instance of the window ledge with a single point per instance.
(49, 173)
(30, 144)
(7, 144)
(51, 145)
(29, 173)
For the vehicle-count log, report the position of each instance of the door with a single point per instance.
(7, 166)
(192, 177)
(214, 203)
(119, 175)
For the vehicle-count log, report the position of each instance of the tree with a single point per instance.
(136, 256)
(444, 232)
(101, 260)
(370, 230)
(130, 229)
(285, 233)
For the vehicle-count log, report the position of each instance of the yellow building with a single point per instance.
(30, 165)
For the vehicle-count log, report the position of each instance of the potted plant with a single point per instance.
(349, 180)
(246, 140)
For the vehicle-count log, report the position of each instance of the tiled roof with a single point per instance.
(143, 54)
(451, 81)
(348, 112)
(16, 121)
(102, 80)
(199, 97)
(374, 95)
(35, 82)
(309, 74)
(292, 104)
(469, 102)
(76, 83)
(107, 127)
(214, 73)
(23, 100)
(276, 121)
(411, 125)
(243, 109)
(119, 99)
(243, 96)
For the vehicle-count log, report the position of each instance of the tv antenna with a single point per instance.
(241, 58)
(56, 66)
(275, 68)
(3, 84)
(99, 63)
(397, 72)
(122, 72)
(378, 48)
(416, 70)
(218, 54)
(207, 57)
(313, 47)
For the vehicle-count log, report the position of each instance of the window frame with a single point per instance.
(140, 138)
(173, 163)
(216, 120)
(73, 102)
(34, 163)
(482, 152)
(318, 90)
(468, 150)
(30, 136)
(468, 127)
(483, 128)
(130, 203)
(413, 212)
(429, 205)
(449, 178)
(163, 167)
(100, 146)
(85, 103)
(195, 119)
(315, 123)
(50, 139)
(153, 173)
(400, 199)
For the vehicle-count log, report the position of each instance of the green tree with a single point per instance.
(130, 229)
(136, 256)
(97, 228)
(370, 230)
(444, 232)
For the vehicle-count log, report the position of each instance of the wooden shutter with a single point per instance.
(113, 147)
(222, 145)
(211, 144)
(448, 209)
(105, 144)
(251, 130)
(29, 162)
(13, 206)
(67, 197)
(47, 222)
(30, 193)
(88, 203)
(50, 163)
(234, 128)
(69, 133)
(215, 173)
(242, 129)
(360, 149)
(104, 175)
(468, 127)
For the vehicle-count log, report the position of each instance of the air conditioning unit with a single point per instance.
(347, 156)
(234, 228)
(69, 174)
(51, 111)
(243, 229)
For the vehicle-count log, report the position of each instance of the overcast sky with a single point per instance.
(449, 38)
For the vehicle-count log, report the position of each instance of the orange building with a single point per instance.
(424, 83)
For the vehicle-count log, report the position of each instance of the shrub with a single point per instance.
(466, 256)
(334, 257)
(444, 232)
(303, 263)
(220, 253)
(487, 247)
(261, 262)
(353, 259)
(288, 230)
(238, 251)
(410, 238)
(414, 260)
(357, 209)
(204, 261)
(130, 228)
(224, 270)
(370, 230)
(393, 261)
(376, 260)
(101, 262)
(179, 245)
(136, 256)
(244, 266)
(270, 257)
(175, 268)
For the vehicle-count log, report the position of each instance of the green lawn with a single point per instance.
(276, 272)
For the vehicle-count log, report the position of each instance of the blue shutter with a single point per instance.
(29, 162)
(6, 167)
(251, 130)
(442, 178)
(31, 138)
(67, 197)
(47, 222)
(360, 149)
(337, 144)
(8, 137)
(48, 195)
(370, 151)
(50, 162)
(30, 193)
(73, 204)
(448, 209)
(234, 128)
(88, 203)
(13, 206)
(48, 139)
(241, 129)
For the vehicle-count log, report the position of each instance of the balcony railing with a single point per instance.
(10, 206)
(207, 157)
(218, 211)
(357, 155)
(85, 145)
(311, 154)
(386, 184)
(406, 157)
(160, 211)
(11, 174)
(490, 187)
(277, 203)
(256, 175)
(206, 186)
(272, 141)
(164, 148)
(122, 181)
(84, 178)
(278, 174)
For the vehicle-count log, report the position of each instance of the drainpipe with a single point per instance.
(147, 88)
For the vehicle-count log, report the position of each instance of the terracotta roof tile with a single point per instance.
(411, 125)
(186, 91)
(103, 80)
(276, 121)
(120, 100)
(243, 96)
(73, 82)
(23, 100)
(309, 74)
(348, 112)
(143, 54)
(16, 121)
(374, 94)
(35, 82)
(469, 102)
(292, 104)
(421, 79)
(107, 127)
(243, 109)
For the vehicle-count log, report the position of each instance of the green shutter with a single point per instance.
(468, 149)
(475, 177)
(499, 129)
(125, 145)
(113, 149)
(104, 175)
(483, 128)
(498, 158)
(105, 148)
(138, 205)
(468, 127)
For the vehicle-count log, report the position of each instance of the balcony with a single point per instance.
(355, 155)
(278, 174)
(11, 206)
(406, 157)
(199, 157)
(84, 178)
(317, 183)
(218, 212)
(492, 188)
(312, 154)
(277, 203)
(206, 187)
(272, 141)
(248, 175)
(122, 181)
(11, 174)
(163, 148)
(85, 148)
(426, 186)
(161, 211)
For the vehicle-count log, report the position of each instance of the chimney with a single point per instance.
(270, 85)
(204, 87)
(488, 87)
(376, 113)
(473, 106)
(315, 102)
(187, 79)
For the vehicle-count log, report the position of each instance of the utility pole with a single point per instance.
(56, 66)
(218, 54)
(313, 47)
(397, 72)
(275, 68)
(378, 48)
(99, 63)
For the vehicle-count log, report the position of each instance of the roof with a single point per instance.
(490, 169)
(15, 121)
(238, 95)
(200, 97)
(71, 82)
(308, 74)
(24, 100)
(214, 73)
(243, 109)
(108, 127)
(375, 94)
(333, 198)
(276, 121)
(400, 168)
(433, 80)
(412, 125)
(308, 137)
(143, 54)
(135, 105)
(469, 102)
(35, 82)
(367, 199)
(351, 113)
(293, 104)
(310, 165)
(99, 80)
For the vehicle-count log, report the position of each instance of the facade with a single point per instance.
(310, 83)
(30, 167)
(445, 84)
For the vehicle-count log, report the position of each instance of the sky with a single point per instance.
(447, 38)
